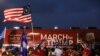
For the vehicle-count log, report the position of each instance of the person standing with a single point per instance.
(58, 51)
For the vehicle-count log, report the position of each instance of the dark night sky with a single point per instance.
(62, 13)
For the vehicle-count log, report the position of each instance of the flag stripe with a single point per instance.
(17, 19)
(20, 18)
(14, 15)
(13, 9)
(27, 19)
(29, 15)
(13, 12)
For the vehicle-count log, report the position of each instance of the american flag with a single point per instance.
(21, 15)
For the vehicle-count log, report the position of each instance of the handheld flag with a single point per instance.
(21, 15)
(2, 36)
(23, 45)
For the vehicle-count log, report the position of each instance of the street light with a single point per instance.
(16, 27)
(56, 27)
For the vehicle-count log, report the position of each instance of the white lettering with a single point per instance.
(70, 42)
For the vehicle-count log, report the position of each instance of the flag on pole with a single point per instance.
(2, 36)
(22, 15)
(23, 44)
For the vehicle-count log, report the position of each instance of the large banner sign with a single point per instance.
(52, 37)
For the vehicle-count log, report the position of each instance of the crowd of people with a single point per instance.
(54, 51)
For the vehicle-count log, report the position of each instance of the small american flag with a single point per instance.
(21, 15)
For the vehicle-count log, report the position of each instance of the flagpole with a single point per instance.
(31, 19)
(32, 26)
(32, 30)
(77, 40)
(31, 33)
